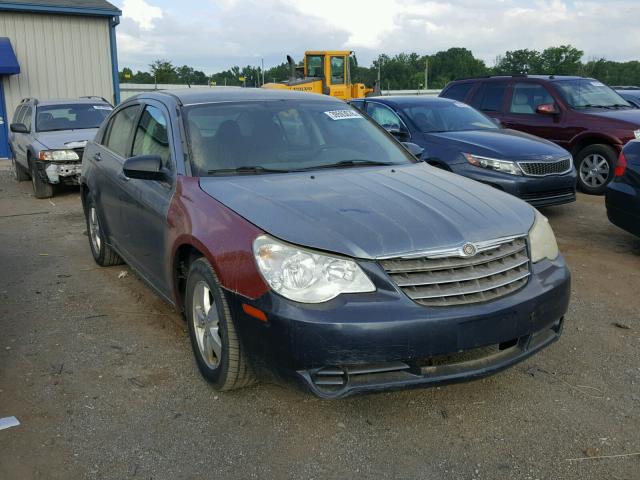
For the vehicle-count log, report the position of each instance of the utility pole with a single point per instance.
(426, 74)
(262, 68)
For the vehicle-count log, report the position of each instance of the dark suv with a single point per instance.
(580, 114)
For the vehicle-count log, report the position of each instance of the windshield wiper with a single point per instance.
(245, 169)
(349, 163)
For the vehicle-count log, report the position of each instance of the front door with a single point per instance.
(4, 125)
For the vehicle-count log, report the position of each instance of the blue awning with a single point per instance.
(8, 61)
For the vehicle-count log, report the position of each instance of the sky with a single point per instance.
(214, 35)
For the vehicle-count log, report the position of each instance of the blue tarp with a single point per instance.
(8, 61)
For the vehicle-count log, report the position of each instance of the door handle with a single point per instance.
(97, 157)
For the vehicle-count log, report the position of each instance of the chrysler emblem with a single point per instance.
(469, 249)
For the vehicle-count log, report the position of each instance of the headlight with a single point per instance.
(58, 155)
(305, 275)
(542, 241)
(504, 166)
(636, 133)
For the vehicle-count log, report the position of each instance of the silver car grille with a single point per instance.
(437, 281)
(541, 169)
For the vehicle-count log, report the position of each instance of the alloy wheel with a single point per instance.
(206, 324)
(594, 170)
(94, 230)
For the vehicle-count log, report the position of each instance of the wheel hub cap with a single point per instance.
(94, 230)
(206, 324)
(594, 170)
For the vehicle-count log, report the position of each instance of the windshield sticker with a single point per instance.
(342, 114)
(461, 105)
(102, 107)
(597, 84)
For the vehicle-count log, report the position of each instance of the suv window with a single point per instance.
(489, 96)
(384, 116)
(26, 119)
(151, 135)
(458, 91)
(528, 96)
(120, 127)
(17, 117)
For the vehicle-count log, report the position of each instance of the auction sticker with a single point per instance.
(102, 107)
(342, 114)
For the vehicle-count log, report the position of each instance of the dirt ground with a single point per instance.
(100, 374)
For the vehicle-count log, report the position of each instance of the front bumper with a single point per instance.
(60, 172)
(623, 206)
(383, 340)
(538, 191)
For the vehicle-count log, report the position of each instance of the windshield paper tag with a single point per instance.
(597, 84)
(461, 105)
(102, 107)
(342, 114)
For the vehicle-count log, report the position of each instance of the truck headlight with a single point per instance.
(542, 241)
(305, 275)
(58, 155)
(504, 166)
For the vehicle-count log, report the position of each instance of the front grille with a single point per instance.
(541, 169)
(455, 280)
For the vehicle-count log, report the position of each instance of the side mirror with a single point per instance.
(144, 167)
(547, 109)
(415, 150)
(18, 128)
(401, 135)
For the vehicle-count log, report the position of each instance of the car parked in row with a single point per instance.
(623, 193)
(582, 115)
(460, 139)
(300, 238)
(630, 94)
(47, 139)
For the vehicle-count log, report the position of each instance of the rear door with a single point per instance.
(490, 98)
(13, 137)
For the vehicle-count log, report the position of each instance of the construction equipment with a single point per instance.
(325, 72)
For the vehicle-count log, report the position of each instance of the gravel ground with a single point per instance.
(100, 374)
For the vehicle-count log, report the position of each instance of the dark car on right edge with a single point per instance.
(582, 115)
(623, 193)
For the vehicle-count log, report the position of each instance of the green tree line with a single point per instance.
(407, 70)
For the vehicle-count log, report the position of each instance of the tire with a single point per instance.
(102, 253)
(19, 171)
(41, 189)
(595, 165)
(219, 354)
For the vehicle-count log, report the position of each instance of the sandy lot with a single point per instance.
(100, 374)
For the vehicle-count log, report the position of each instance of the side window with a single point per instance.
(490, 96)
(314, 65)
(117, 138)
(384, 116)
(26, 119)
(152, 136)
(458, 91)
(358, 104)
(17, 117)
(528, 96)
(337, 70)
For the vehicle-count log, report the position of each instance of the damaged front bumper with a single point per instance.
(60, 172)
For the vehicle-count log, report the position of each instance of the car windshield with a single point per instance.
(70, 116)
(285, 135)
(589, 93)
(448, 117)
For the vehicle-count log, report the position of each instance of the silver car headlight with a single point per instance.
(307, 276)
(504, 166)
(636, 133)
(542, 241)
(58, 155)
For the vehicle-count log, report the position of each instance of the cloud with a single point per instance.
(217, 34)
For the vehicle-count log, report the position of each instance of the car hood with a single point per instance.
(60, 138)
(631, 115)
(371, 212)
(499, 143)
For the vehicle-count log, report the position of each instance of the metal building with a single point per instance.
(56, 49)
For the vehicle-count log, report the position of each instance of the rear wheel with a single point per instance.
(41, 188)
(595, 168)
(21, 174)
(102, 253)
(216, 346)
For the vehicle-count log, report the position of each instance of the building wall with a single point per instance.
(60, 56)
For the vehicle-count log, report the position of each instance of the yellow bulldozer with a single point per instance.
(325, 72)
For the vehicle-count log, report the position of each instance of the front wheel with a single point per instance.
(216, 346)
(102, 253)
(19, 171)
(595, 165)
(41, 188)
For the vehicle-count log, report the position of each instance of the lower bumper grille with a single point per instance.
(455, 280)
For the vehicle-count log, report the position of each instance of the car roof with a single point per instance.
(410, 100)
(550, 78)
(192, 96)
(65, 101)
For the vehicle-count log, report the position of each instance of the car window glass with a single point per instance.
(458, 92)
(358, 104)
(26, 119)
(120, 130)
(384, 116)
(489, 96)
(448, 116)
(284, 135)
(337, 70)
(528, 96)
(151, 136)
(70, 116)
(17, 117)
(588, 93)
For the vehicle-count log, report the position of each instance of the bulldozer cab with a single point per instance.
(332, 67)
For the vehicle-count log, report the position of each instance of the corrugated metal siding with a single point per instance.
(60, 56)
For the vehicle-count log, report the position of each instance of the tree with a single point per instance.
(185, 74)
(163, 71)
(562, 60)
(519, 62)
